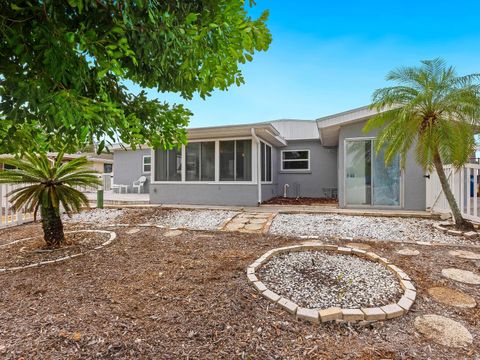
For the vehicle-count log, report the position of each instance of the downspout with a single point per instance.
(259, 166)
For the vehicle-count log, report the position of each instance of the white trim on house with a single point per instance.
(308, 160)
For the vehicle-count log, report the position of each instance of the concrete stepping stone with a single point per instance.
(258, 221)
(133, 231)
(361, 246)
(235, 226)
(408, 252)
(464, 276)
(452, 297)
(443, 331)
(172, 233)
(464, 254)
(253, 227)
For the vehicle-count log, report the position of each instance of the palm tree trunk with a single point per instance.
(52, 227)
(460, 222)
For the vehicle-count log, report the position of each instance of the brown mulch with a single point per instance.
(147, 296)
(280, 200)
(35, 249)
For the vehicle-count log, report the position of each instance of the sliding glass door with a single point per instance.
(368, 181)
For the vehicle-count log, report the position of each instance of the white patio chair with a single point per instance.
(117, 188)
(139, 184)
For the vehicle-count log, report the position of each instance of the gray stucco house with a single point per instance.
(249, 164)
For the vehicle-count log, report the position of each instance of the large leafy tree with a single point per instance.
(435, 111)
(48, 187)
(65, 65)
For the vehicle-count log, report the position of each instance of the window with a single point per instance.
(107, 168)
(266, 158)
(236, 160)
(296, 160)
(200, 161)
(168, 165)
(147, 164)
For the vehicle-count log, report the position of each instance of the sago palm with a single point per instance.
(435, 111)
(49, 188)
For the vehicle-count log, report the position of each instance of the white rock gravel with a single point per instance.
(97, 216)
(192, 219)
(380, 228)
(320, 279)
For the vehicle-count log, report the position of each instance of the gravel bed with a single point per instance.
(97, 216)
(380, 228)
(319, 279)
(191, 219)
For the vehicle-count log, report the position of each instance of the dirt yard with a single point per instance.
(148, 296)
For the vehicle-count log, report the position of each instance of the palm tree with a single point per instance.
(433, 110)
(49, 187)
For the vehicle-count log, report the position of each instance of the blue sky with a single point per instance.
(328, 57)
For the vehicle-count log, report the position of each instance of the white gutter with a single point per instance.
(259, 165)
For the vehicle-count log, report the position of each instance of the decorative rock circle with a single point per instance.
(463, 276)
(452, 297)
(464, 254)
(133, 231)
(112, 237)
(359, 246)
(172, 233)
(408, 252)
(443, 331)
(370, 314)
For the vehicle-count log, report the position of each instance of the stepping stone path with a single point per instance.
(464, 254)
(133, 231)
(250, 222)
(464, 276)
(408, 252)
(361, 246)
(443, 331)
(452, 297)
(172, 233)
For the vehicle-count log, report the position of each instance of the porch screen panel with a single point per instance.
(386, 180)
(268, 159)
(227, 160)
(161, 157)
(192, 162)
(207, 163)
(168, 165)
(243, 160)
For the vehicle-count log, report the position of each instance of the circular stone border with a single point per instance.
(113, 236)
(390, 311)
(445, 227)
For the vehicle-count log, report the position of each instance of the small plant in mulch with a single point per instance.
(47, 187)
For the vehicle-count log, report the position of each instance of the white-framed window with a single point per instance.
(147, 164)
(295, 160)
(266, 162)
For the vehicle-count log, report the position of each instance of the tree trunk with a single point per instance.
(460, 222)
(52, 228)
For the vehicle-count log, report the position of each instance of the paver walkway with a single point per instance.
(252, 222)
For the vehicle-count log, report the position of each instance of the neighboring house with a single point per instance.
(102, 163)
(248, 164)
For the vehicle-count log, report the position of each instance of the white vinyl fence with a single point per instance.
(8, 217)
(465, 185)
